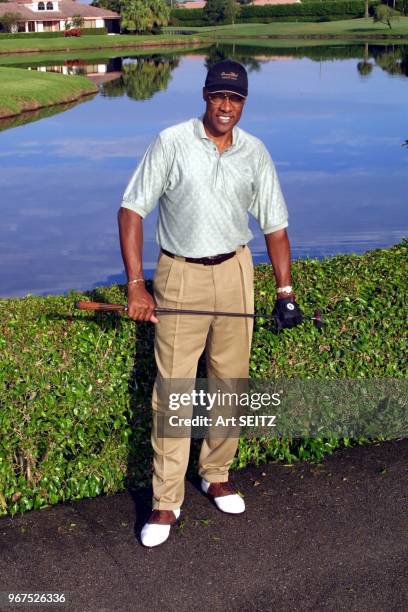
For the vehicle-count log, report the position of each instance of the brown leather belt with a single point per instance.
(206, 261)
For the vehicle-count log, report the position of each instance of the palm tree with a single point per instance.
(77, 21)
(144, 15)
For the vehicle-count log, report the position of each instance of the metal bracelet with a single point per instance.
(286, 289)
(135, 281)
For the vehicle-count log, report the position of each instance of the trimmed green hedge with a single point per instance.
(75, 386)
(402, 6)
(30, 35)
(309, 11)
(93, 31)
(353, 8)
(84, 32)
(296, 19)
(188, 17)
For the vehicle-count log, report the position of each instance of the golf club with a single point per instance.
(101, 306)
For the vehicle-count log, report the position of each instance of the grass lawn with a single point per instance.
(24, 90)
(349, 27)
(14, 45)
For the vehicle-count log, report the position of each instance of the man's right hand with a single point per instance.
(141, 304)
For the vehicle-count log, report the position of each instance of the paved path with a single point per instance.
(333, 536)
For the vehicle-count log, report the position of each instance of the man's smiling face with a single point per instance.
(220, 118)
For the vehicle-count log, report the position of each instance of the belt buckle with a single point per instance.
(210, 260)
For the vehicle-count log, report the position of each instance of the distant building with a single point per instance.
(192, 5)
(53, 15)
(264, 2)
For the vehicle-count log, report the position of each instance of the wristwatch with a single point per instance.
(285, 289)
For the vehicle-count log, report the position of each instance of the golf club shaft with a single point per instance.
(84, 305)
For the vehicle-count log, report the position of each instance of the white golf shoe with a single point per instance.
(224, 496)
(157, 529)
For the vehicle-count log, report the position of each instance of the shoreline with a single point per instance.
(30, 91)
(360, 37)
(33, 107)
(260, 267)
(148, 43)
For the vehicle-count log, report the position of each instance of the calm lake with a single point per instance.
(334, 119)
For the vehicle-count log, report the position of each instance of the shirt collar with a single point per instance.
(200, 132)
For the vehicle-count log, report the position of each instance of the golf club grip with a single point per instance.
(84, 305)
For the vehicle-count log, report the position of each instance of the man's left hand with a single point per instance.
(287, 313)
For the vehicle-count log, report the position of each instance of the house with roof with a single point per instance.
(55, 15)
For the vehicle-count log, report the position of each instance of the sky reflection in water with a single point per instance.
(335, 138)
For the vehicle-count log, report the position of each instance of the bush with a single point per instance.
(73, 32)
(24, 35)
(191, 17)
(402, 6)
(309, 11)
(75, 389)
(354, 8)
(93, 31)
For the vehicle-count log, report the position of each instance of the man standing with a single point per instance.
(207, 174)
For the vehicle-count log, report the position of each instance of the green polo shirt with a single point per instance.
(204, 197)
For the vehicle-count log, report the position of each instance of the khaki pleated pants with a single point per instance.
(179, 343)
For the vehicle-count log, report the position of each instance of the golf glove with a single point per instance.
(287, 313)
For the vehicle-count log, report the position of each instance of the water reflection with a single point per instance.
(142, 77)
(98, 71)
(42, 113)
(335, 137)
(394, 61)
(243, 54)
(365, 67)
